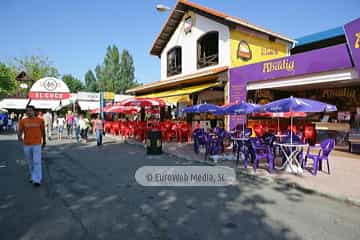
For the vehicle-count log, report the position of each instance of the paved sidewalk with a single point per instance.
(342, 184)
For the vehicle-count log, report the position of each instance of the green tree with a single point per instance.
(90, 82)
(107, 73)
(7, 80)
(117, 72)
(127, 73)
(36, 67)
(74, 84)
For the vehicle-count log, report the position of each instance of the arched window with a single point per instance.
(174, 61)
(208, 50)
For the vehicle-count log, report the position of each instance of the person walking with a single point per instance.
(60, 126)
(31, 133)
(99, 130)
(69, 124)
(84, 128)
(77, 127)
(48, 124)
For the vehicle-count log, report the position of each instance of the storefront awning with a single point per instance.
(88, 105)
(180, 95)
(45, 104)
(199, 77)
(13, 103)
(320, 79)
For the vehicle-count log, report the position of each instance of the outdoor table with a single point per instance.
(280, 136)
(291, 164)
(239, 140)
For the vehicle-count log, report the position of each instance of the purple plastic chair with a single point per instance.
(199, 139)
(259, 151)
(326, 147)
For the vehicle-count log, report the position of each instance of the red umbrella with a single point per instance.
(143, 102)
(123, 109)
(97, 110)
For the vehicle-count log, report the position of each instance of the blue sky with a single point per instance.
(74, 34)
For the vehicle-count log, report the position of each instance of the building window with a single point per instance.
(174, 61)
(208, 50)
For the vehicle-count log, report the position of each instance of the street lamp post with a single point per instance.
(163, 8)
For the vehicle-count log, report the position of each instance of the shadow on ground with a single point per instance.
(90, 192)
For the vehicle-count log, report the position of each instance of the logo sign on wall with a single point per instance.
(189, 22)
(244, 51)
(49, 88)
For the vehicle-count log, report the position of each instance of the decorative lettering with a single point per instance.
(339, 92)
(268, 51)
(357, 42)
(281, 65)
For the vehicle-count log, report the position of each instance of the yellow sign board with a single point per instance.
(248, 49)
(109, 95)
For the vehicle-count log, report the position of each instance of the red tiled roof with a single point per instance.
(178, 12)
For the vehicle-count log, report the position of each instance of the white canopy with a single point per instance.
(121, 97)
(88, 105)
(14, 103)
(45, 104)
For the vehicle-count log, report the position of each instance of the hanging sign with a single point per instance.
(49, 88)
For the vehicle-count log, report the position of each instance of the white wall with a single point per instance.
(188, 45)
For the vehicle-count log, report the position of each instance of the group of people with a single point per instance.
(75, 125)
(8, 122)
(33, 130)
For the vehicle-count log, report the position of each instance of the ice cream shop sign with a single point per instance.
(49, 88)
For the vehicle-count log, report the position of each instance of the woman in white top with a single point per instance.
(60, 125)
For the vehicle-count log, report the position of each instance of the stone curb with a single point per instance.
(297, 186)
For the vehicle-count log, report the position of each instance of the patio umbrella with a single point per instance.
(143, 102)
(279, 115)
(242, 108)
(204, 108)
(97, 110)
(293, 104)
(122, 109)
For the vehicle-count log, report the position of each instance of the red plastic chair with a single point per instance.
(115, 129)
(309, 134)
(259, 130)
(107, 127)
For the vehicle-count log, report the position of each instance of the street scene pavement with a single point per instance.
(90, 192)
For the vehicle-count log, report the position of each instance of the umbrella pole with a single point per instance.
(243, 133)
(278, 130)
(291, 129)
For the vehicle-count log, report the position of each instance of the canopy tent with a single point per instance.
(45, 104)
(88, 105)
(14, 103)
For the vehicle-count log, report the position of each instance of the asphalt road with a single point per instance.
(90, 193)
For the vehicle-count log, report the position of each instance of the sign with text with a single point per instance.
(352, 33)
(88, 96)
(109, 95)
(49, 88)
(49, 95)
